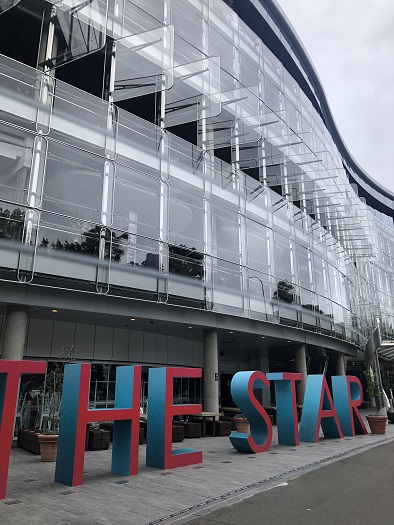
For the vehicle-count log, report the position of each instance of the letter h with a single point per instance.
(75, 415)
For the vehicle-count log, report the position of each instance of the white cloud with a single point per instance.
(351, 44)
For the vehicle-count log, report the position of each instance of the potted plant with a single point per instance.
(52, 395)
(242, 423)
(376, 421)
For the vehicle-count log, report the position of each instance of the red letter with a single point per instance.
(75, 415)
(10, 372)
(159, 453)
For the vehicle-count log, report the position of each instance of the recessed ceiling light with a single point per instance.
(263, 337)
(190, 327)
(289, 341)
(231, 332)
(132, 318)
(54, 311)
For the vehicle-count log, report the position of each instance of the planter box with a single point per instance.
(177, 434)
(191, 430)
(218, 428)
(28, 440)
(110, 428)
(98, 439)
(177, 431)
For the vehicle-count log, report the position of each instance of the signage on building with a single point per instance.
(338, 416)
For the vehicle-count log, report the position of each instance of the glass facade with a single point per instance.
(232, 198)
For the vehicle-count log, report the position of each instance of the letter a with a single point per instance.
(318, 410)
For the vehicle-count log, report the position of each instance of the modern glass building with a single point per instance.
(174, 191)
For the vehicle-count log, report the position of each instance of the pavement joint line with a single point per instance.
(283, 475)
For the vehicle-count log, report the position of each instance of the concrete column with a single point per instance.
(340, 365)
(211, 371)
(300, 364)
(15, 332)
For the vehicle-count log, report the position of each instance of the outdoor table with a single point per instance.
(204, 416)
(230, 411)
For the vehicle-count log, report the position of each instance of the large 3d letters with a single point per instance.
(348, 395)
(10, 372)
(260, 437)
(75, 415)
(286, 407)
(318, 409)
(159, 453)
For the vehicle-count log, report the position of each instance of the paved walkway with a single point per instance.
(164, 497)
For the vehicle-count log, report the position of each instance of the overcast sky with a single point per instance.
(351, 44)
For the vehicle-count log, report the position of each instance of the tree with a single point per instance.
(90, 244)
(186, 261)
(285, 292)
(11, 224)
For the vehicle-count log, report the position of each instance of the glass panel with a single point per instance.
(320, 279)
(274, 96)
(15, 162)
(81, 120)
(223, 17)
(130, 249)
(282, 247)
(227, 275)
(7, 4)
(196, 90)
(272, 66)
(244, 104)
(257, 243)
(73, 183)
(136, 204)
(130, 18)
(12, 219)
(249, 71)
(225, 234)
(137, 139)
(221, 47)
(186, 261)
(187, 22)
(80, 29)
(144, 63)
(72, 236)
(19, 94)
(186, 219)
(303, 266)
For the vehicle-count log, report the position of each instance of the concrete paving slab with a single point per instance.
(164, 497)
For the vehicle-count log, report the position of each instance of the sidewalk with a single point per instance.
(354, 491)
(155, 496)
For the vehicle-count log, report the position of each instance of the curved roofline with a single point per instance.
(313, 76)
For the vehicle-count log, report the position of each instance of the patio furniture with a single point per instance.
(191, 430)
(202, 417)
(218, 428)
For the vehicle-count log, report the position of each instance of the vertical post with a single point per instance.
(300, 364)
(211, 371)
(340, 365)
(15, 332)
